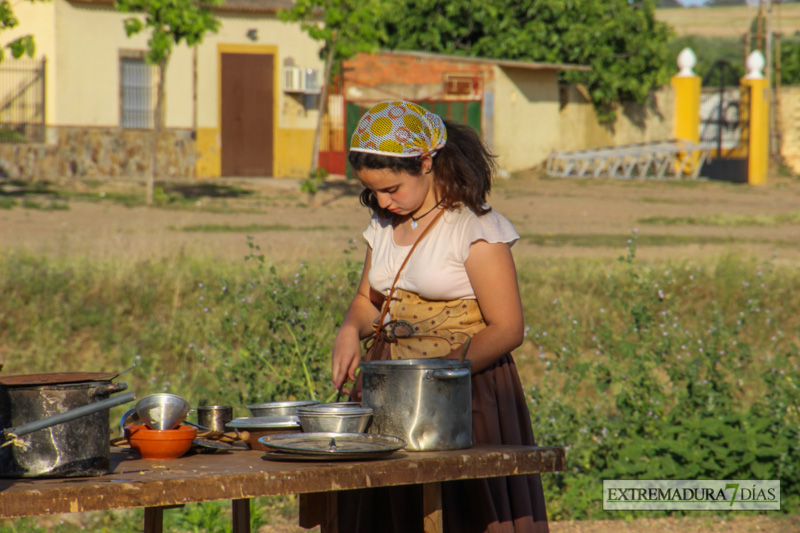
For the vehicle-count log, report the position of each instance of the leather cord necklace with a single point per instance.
(426, 213)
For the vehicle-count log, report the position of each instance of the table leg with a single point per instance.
(153, 519)
(432, 507)
(241, 515)
(319, 509)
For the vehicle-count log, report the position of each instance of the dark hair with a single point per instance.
(463, 170)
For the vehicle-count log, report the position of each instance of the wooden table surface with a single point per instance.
(245, 474)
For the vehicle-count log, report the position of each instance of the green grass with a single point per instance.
(674, 201)
(253, 228)
(193, 325)
(605, 240)
(30, 203)
(725, 220)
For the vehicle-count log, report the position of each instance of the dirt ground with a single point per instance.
(556, 218)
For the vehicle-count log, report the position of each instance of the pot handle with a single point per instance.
(68, 415)
(109, 389)
(445, 374)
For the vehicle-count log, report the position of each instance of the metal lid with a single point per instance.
(333, 409)
(55, 378)
(433, 363)
(264, 422)
(278, 405)
(333, 445)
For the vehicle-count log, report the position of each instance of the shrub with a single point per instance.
(656, 388)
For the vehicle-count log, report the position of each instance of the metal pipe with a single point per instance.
(66, 416)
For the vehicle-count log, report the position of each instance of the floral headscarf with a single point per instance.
(400, 129)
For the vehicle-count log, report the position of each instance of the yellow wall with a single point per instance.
(37, 19)
(293, 149)
(579, 128)
(788, 122)
(294, 126)
(531, 120)
(82, 44)
(209, 153)
(525, 116)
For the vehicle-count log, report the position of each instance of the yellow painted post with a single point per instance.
(758, 142)
(686, 85)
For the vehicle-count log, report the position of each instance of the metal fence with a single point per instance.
(22, 100)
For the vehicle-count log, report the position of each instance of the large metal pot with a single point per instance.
(77, 447)
(425, 402)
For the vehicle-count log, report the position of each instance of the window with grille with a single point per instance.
(137, 93)
(462, 85)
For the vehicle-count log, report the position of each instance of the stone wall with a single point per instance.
(83, 152)
(788, 123)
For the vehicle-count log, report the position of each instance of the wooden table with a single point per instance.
(244, 474)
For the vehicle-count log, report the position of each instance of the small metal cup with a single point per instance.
(214, 417)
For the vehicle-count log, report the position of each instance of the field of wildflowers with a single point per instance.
(680, 369)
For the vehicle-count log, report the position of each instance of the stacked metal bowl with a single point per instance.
(334, 418)
(288, 408)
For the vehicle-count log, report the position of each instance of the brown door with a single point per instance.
(247, 114)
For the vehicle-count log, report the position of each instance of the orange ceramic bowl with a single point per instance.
(160, 443)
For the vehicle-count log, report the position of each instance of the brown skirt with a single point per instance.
(513, 504)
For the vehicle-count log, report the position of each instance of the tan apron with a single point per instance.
(422, 328)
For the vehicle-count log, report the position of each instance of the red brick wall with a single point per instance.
(374, 69)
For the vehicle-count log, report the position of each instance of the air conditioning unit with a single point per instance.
(294, 80)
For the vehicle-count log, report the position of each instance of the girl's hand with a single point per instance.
(346, 357)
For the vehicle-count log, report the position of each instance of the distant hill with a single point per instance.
(728, 21)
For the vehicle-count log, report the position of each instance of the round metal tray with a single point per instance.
(329, 446)
(264, 422)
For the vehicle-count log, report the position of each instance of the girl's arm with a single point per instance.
(491, 271)
(364, 310)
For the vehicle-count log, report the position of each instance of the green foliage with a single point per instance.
(7, 135)
(20, 46)
(621, 41)
(790, 61)
(345, 27)
(311, 184)
(669, 369)
(661, 392)
(711, 49)
(170, 22)
(275, 333)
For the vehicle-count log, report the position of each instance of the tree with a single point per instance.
(621, 40)
(668, 3)
(21, 45)
(790, 62)
(170, 22)
(345, 27)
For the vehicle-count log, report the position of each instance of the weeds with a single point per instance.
(254, 228)
(605, 240)
(671, 370)
(726, 220)
(683, 373)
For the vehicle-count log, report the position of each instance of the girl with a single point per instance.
(426, 181)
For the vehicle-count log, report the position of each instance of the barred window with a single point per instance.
(137, 91)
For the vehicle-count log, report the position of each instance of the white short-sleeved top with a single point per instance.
(437, 269)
